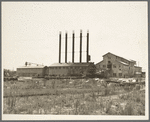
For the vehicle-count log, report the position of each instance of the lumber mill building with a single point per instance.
(72, 68)
(29, 70)
(62, 68)
(116, 66)
(111, 65)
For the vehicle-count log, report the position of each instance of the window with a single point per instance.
(120, 74)
(114, 74)
(114, 66)
(109, 65)
(104, 66)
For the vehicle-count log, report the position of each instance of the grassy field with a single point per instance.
(72, 97)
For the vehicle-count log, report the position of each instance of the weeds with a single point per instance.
(93, 99)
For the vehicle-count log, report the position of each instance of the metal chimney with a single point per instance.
(87, 56)
(73, 47)
(59, 47)
(66, 49)
(80, 46)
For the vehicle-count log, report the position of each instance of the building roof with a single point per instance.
(69, 64)
(137, 67)
(99, 62)
(138, 72)
(123, 63)
(31, 67)
(119, 57)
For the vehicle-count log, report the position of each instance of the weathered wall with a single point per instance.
(124, 68)
(29, 72)
(60, 71)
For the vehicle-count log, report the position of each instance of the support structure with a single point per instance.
(73, 35)
(73, 47)
(60, 47)
(87, 54)
(80, 46)
(66, 49)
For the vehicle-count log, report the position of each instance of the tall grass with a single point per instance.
(94, 100)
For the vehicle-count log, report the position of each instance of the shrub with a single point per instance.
(137, 87)
(126, 88)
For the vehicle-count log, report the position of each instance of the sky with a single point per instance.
(30, 31)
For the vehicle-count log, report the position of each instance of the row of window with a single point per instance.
(114, 66)
(67, 67)
(28, 74)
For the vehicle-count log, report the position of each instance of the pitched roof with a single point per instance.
(69, 64)
(31, 67)
(119, 56)
(137, 67)
(99, 62)
(123, 63)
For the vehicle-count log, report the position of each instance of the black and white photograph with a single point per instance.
(75, 60)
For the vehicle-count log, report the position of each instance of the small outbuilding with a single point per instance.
(31, 71)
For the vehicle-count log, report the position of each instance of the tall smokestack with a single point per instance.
(66, 49)
(80, 46)
(73, 47)
(59, 47)
(87, 56)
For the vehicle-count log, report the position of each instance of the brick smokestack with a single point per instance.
(80, 46)
(66, 49)
(73, 47)
(87, 55)
(59, 47)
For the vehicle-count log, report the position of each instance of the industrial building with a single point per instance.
(116, 66)
(62, 68)
(72, 68)
(31, 71)
(111, 65)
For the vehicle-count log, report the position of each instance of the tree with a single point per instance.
(91, 70)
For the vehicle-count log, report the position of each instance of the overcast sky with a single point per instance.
(30, 31)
